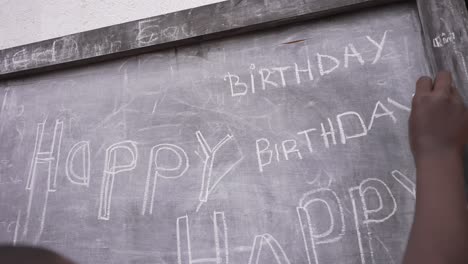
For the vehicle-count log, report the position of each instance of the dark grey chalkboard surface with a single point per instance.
(279, 146)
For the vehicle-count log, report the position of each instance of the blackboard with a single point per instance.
(286, 145)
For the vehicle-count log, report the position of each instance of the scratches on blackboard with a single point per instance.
(238, 2)
(462, 59)
(5, 97)
(387, 251)
(4, 109)
(17, 226)
(322, 180)
(294, 41)
(158, 102)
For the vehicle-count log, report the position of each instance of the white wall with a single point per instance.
(27, 21)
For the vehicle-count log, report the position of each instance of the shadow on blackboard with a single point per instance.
(27, 254)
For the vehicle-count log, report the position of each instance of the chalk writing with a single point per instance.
(111, 169)
(83, 179)
(61, 49)
(64, 49)
(51, 157)
(336, 224)
(405, 182)
(20, 59)
(316, 221)
(444, 39)
(349, 126)
(354, 54)
(364, 215)
(184, 247)
(276, 77)
(379, 45)
(209, 154)
(150, 32)
(265, 154)
(273, 245)
(157, 170)
(209, 158)
(344, 136)
(383, 112)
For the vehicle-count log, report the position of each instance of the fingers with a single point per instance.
(424, 85)
(453, 91)
(443, 83)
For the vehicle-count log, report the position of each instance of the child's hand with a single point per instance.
(439, 120)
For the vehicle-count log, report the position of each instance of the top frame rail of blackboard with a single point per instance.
(170, 30)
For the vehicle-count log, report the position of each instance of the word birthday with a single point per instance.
(329, 133)
(276, 77)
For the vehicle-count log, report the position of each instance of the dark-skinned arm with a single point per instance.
(438, 132)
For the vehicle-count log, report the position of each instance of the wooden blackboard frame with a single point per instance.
(229, 18)
(190, 26)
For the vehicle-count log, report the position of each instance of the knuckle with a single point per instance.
(424, 79)
(422, 99)
(424, 82)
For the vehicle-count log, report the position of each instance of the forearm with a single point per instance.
(440, 229)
